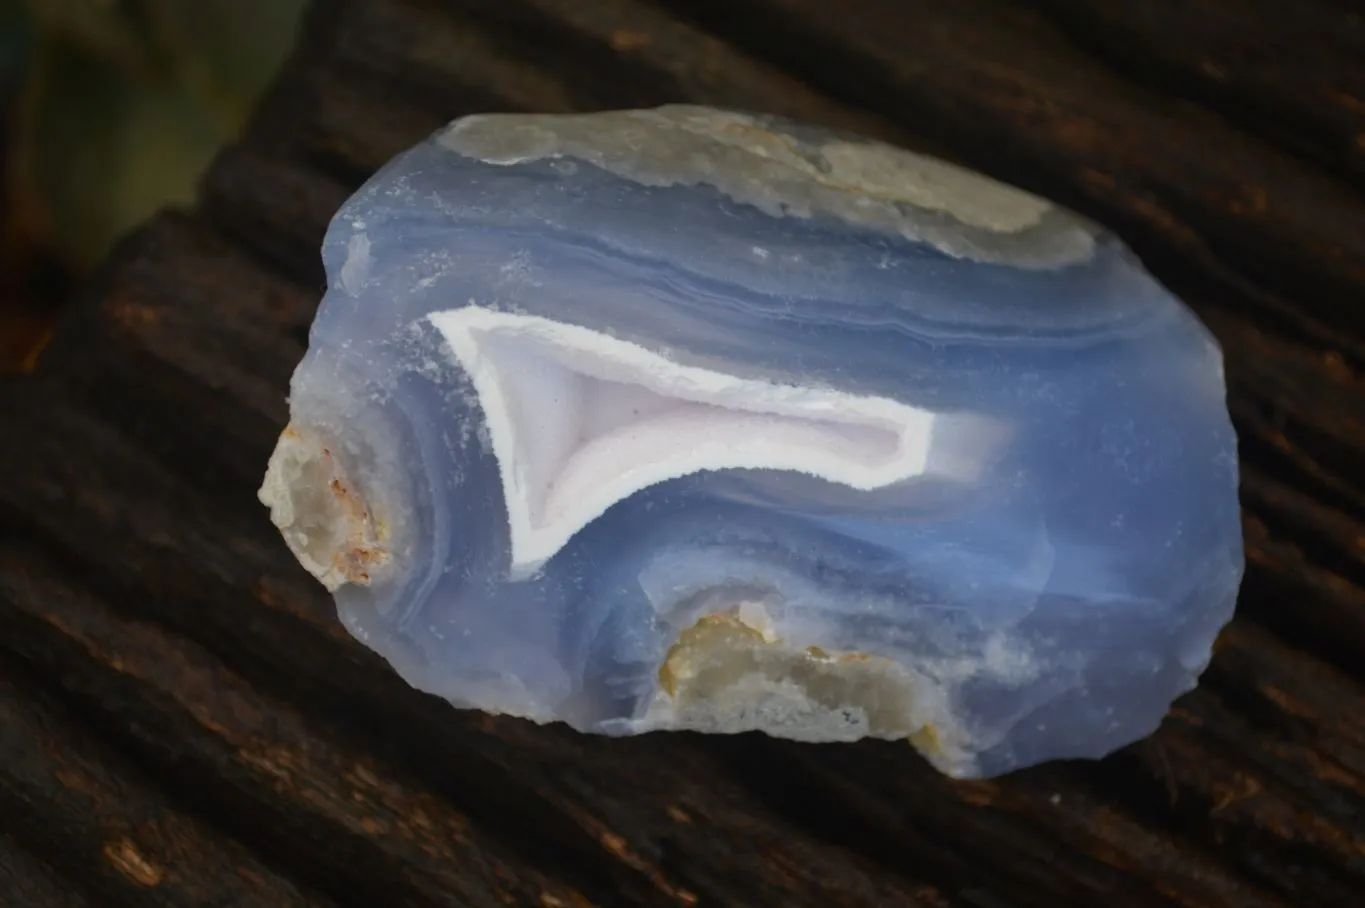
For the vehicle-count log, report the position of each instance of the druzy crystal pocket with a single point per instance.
(692, 419)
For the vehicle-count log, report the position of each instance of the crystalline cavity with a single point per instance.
(687, 418)
(580, 420)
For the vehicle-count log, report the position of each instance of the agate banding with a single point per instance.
(695, 419)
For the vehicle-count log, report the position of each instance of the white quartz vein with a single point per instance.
(579, 420)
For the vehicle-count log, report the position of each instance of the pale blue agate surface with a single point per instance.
(1049, 600)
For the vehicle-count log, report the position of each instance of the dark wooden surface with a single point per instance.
(184, 723)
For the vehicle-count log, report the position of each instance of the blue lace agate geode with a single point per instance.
(686, 418)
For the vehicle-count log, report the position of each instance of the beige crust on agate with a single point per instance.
(321, 516)
(730, 672)
(785, 169)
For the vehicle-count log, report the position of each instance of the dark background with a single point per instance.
(110, 110)
(184, 723)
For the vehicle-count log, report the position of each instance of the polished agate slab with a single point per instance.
(693, 419)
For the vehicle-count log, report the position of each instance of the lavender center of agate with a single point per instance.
(693, 419)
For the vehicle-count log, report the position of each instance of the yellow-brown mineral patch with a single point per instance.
(723, 667)
(323, 518)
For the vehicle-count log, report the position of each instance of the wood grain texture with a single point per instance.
(183, 721)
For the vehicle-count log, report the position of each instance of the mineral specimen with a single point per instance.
(693, 419)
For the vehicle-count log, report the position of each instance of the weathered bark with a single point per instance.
(183, 721)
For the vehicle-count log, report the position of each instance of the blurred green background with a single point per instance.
(112, 109)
